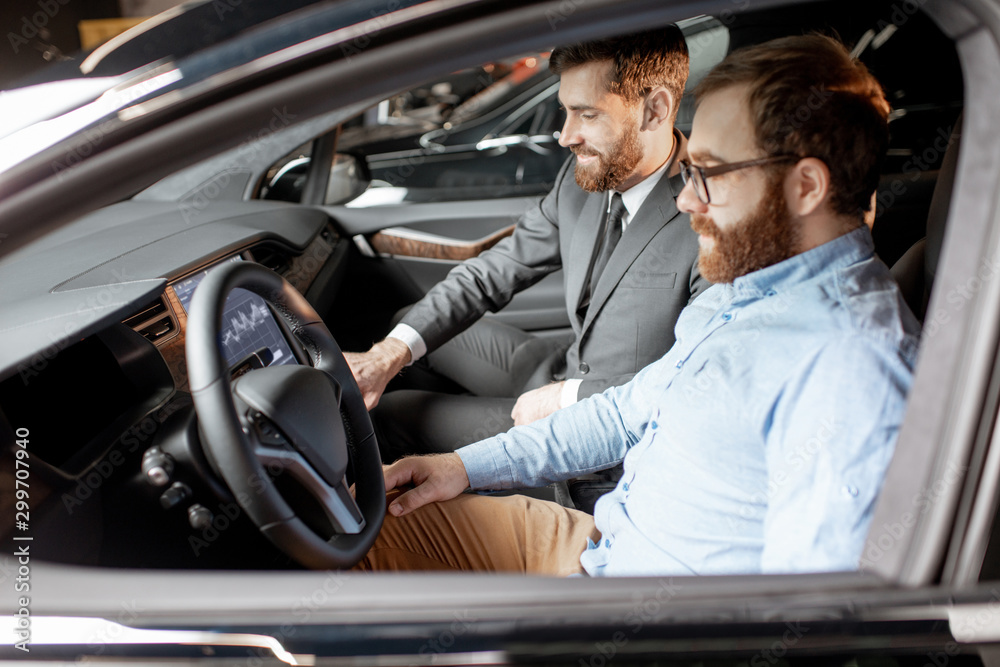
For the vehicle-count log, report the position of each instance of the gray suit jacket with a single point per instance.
(629, 323)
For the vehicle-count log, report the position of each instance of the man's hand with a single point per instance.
(537, 403)
(436, 477)
(373, 369)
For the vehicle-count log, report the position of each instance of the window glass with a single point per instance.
(444, 140)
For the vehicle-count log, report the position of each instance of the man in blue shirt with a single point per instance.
(760, 441)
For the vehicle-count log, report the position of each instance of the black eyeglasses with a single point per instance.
(698, 176)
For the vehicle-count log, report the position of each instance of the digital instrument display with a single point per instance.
(249, 333)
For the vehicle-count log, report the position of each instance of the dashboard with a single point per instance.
(94, 323)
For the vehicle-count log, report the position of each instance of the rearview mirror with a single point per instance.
(348, 178)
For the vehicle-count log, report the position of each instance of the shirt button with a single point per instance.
(584, 367)
(680, 363)
(770, 292)
(726, 316)
(607, 543)
(625, 486)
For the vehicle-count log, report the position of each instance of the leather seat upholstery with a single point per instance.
(915, 270)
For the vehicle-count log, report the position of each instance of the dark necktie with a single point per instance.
(612, 233)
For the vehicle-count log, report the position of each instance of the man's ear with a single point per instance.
(657, 109)
(869, 216)
(807, 186)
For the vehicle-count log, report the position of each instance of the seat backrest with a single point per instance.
(937, 215)
(915, 270)
(910, 276)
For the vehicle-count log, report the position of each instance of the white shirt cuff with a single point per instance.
(570, 389)
(409, 335)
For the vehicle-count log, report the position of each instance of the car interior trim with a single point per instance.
(318, 176)
(964, 564)
(410, 243)
(461, 214)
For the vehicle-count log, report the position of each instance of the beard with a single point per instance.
(764, 237)
(612, 167)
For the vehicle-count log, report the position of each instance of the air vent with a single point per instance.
(154, 322)
(149, 312)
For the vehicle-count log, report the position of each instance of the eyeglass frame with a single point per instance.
(705, 173)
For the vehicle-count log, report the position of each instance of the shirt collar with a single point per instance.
(853, 247)
(636, 195)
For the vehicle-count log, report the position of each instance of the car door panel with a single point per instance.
(423, 242)
(462, 220)
(539, 308)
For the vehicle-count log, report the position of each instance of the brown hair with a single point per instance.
(809, 97)
(640, 62)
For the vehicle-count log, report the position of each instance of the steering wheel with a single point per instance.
(304, 424)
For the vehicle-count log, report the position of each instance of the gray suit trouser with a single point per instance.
(490, 364)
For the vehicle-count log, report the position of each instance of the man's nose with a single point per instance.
(688, 202)
(567, 137)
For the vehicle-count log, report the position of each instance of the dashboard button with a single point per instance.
(157, 466)
(267, 432)
(175, 495)
(200, 517)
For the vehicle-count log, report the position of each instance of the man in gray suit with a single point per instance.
(610, 222)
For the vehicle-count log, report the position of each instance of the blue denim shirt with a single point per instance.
(758, 443)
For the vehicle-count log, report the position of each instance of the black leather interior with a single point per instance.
(916, 268)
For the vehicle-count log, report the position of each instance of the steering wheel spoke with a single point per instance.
(336, 499)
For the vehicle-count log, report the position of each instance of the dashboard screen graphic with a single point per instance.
(249, 331)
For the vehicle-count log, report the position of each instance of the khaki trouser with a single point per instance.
(484, 533)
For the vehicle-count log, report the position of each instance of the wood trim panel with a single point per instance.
(406, 243)
(173, 350)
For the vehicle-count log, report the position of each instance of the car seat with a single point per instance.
(914, 271)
